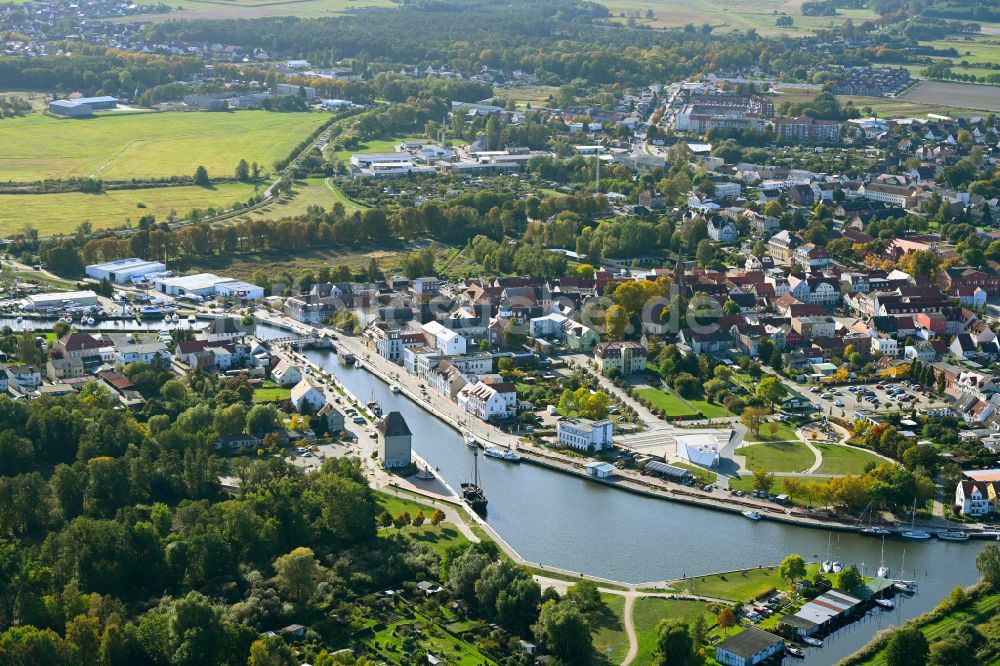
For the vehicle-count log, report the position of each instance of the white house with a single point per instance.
(307, 394)
(700, 450)
(489, 401)
(887, 346)
(584, 434)
(447, 341)
(286, 374)
(145, 352)
(972, 497)
(23, 377)
(722, 230)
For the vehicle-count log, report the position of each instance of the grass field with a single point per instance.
(271, 395)
(305, 193)
(711, 411)
(609, 630)
(730, 16)
(671, 404)
(962, 95)
(844, 460)
(739, 586)
(247, 9)
(148, 145)
(886, 107)
(647, 614)
(60, 213)
(782, 432)
(778, 456)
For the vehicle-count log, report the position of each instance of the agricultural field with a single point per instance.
(53, 214)
(740, 15)
(886, 107)
(247, 9)
(963, 95)
(148, 145)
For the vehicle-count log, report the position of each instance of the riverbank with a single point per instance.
(629, 481)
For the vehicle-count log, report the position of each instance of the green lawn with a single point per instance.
(778, 456)
(149, 144)
(609, 630)
(60, 213)
(704, 476)
(739, 586)
(438, 537)
(373, 146)
(711, 411)
(670, 403)
(305, 193)
(647, 614)
(844, 460)
(432, 638)
(782, 432)
(271, 394)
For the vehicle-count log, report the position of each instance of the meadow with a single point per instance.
(54, 214)
(738, 15)
(148, 145)
(306, 192)
(245, 9)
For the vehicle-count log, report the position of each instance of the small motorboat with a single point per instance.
(425, 473)
(752, 515)
(887, 604)
(876, 531)
(174, 318)
(471, 442)
(826, 567)
(907, 586)
(502, 454)
(815, 642)
(91, 321)
(192, 319)
(953, 535)
(882, 572)
(836, 567)
(796, 652)
(394, 388)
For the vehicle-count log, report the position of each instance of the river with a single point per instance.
(559, 520)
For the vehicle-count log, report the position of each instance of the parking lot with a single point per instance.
(887, 395)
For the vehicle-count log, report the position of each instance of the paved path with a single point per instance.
(633, 640)
(816, 452)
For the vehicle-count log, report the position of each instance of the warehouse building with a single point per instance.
(208, 285)
(124, 270)
(750, 646)
(82, 106)
(60, 300)
(823, 612)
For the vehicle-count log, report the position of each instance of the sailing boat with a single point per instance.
(883, 570)
(827, 567)
(471, 492)
(373, 405)
(913, 533)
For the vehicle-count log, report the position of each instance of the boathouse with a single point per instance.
(824, 612)
(750, 646)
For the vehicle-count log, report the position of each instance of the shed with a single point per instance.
(750, 646)
(601, 470)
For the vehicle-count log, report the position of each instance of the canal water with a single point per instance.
(563, 521)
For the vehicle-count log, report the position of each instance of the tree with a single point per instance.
(849, 579)
(730, 307)
(705, 252)
(906, 647)
(384, 519)
(674, 645)
(726, 619)
(297, 572)
(243, 171)
(762, 480)
(564, 630)
(201, 178)
(418, 519)
(616, 322)
(988, 565)
(586, 597)
(753, 418)
(270, 651)
(437, 517)
(771, 390)
(262, 419)
(792, 568)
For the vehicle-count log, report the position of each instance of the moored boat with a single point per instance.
(471, 492)
(796, 652)
(888, 604)
(836, 567)
(752, 515)
(953, 535)
(471, 442)
(826, 566)
(916, 535)
(394, 388)
(815, 642)
(502, 454)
